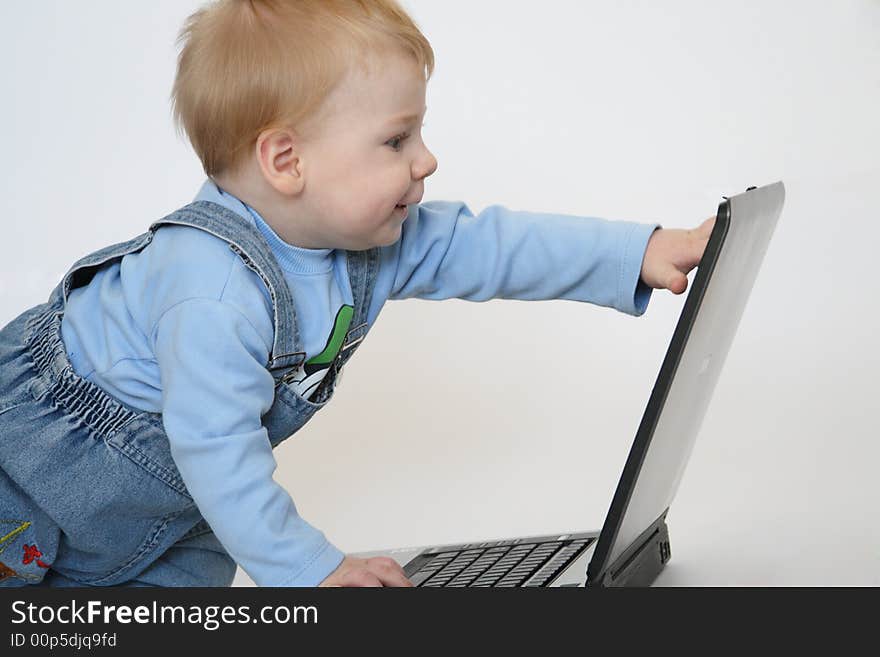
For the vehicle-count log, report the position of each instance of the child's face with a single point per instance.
(361, 160)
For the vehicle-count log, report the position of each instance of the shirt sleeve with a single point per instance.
(447, 252)
(215, 388)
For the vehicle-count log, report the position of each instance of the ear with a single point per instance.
(278, 155)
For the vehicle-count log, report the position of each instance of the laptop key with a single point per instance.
(533, 582)
(420, 577)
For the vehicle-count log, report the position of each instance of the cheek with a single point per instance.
(378, 193)
(345, 200)
(363, 193)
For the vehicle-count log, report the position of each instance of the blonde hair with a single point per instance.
(249, 65)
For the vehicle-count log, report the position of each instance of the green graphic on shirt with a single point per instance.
(334, 342)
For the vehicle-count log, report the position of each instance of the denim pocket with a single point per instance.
(144, 442)
(137, 498)
(7, 405)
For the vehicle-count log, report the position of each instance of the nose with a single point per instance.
(424, 165)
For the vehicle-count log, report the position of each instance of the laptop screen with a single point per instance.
(690, 369)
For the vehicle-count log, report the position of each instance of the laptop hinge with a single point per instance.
(639, 565)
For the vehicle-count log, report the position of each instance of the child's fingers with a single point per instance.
(706, 227)
(388, 571)
(360, 577)
(704, 232)
(674, 280)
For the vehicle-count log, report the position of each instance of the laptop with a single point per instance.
(632, 547)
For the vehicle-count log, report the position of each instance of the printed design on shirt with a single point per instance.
(309, 376)
(32, 553)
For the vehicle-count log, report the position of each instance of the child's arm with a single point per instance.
(446, 252)
(215, 387)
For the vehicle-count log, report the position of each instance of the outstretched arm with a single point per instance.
(447, 252)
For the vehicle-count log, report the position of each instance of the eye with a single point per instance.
(395, 142)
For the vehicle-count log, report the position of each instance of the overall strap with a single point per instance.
(83, 269)
(250, 245)
(362, 270)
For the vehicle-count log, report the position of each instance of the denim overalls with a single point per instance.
(89, 493)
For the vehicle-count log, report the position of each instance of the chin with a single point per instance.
(387, 242)
(398, 231)
(387, 238)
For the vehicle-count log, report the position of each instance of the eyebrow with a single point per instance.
(406, 118)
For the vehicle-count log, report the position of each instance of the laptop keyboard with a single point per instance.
(500, 564)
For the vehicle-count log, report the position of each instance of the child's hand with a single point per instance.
(376, 571)
(672, 253)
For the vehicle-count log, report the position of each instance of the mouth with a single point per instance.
(405, 205)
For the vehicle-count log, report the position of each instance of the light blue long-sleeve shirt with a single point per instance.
(184, 328)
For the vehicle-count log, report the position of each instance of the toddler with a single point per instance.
(140, 405)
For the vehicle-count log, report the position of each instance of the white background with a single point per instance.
(462, 421)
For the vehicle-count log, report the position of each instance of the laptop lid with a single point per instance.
(687, 378)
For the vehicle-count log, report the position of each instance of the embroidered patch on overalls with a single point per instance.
(31, 552)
